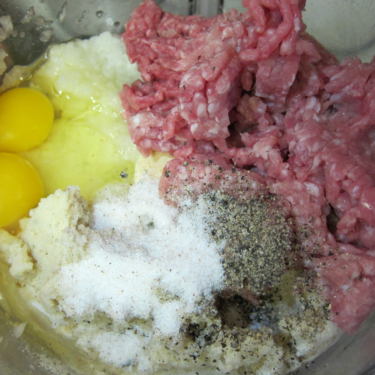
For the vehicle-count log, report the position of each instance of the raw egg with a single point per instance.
(26, 117)
(21, 188)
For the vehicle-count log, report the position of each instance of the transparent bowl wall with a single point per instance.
(345, 27)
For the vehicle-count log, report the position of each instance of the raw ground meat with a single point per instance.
(253, 91)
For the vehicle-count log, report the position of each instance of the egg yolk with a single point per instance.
(26, 117)
(21, 188)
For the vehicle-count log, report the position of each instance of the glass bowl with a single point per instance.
(344, 27)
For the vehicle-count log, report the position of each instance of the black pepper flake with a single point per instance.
(167, 173)
(123, 174)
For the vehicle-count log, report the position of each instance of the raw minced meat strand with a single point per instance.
(350, 279)
(253, 91)
(191, 70)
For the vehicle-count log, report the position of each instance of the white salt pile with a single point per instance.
(146, 261)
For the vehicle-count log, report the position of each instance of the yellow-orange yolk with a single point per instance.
(21, 188)
(26, 117)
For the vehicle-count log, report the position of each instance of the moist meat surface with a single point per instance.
(254, 91)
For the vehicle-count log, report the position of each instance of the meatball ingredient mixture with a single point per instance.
(253, 91)
(208, 280)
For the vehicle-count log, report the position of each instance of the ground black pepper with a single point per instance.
(259, 242)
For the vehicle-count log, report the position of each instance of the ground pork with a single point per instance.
(253, 91)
